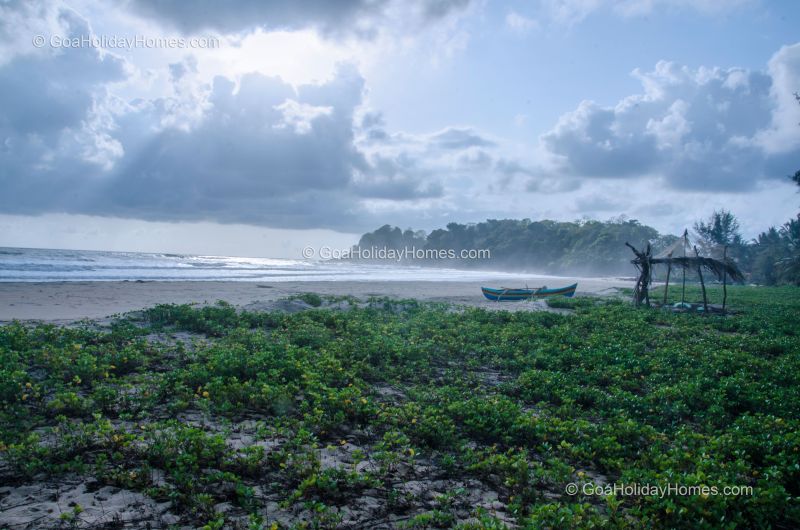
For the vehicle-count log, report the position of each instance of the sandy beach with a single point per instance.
(69, 301)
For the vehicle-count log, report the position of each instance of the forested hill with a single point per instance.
(548, 247)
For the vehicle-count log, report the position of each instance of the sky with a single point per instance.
(259, 127)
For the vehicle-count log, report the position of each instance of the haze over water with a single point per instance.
(49, 265)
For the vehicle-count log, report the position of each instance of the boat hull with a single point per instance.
(516, 295)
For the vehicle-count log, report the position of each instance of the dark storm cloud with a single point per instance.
(52, 135)
(45, 93)
(233, 16)
(330, 17)
(262, 153)
(246, 153)
(435, 9)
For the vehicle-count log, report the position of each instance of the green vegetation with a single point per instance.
(417, 416)
(772, 258)
(580, 247)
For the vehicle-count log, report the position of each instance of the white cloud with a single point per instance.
(782, 135)
(520, 23)
(705, 128)
(571, 12)
(299, 116)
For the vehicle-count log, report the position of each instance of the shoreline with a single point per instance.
(62, 302)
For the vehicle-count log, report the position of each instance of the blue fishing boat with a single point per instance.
(504, 294)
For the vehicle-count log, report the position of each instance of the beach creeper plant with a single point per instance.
(298, 420)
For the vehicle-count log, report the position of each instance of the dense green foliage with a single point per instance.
(517, 404)
(598, 248)
(772, 258)
(580, 247)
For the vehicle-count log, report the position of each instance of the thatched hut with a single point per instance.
(684, 256)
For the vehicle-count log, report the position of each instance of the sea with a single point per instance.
(53, 265)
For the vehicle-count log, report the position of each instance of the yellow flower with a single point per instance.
(205, 393)
(27, 385)
(342, 442)
(274, 526)
(411, 451)
(24, 397)
(413, 420)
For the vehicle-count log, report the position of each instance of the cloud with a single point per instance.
(232, 17)
(571, 12)
(706, 128)
(53, 118)
(339, 18)
(253, 150)
(402, 177)
(299, 116)
(459, 138)
(422, 166)
(782, 133)
(519, 23)
(262, 153)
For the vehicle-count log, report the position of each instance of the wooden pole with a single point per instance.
(685, 244)
(702, 283)
(683, 288)
(666, 285)
(724, 278)
(649, 278)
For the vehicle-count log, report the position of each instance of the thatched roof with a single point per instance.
(717, 267)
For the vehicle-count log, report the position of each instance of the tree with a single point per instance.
(767, 252)
(722, 229)
(789, 266)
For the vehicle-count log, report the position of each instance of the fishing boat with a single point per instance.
(504, 294)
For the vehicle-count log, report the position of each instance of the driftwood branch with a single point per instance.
(643, 263)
